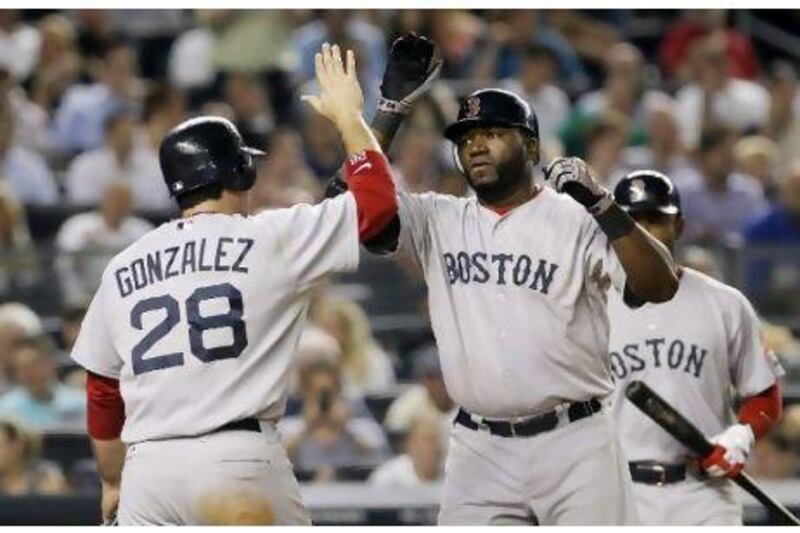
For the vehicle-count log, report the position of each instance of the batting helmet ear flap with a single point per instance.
(248, 170)
(457, 160)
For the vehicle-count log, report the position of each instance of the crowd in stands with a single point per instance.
(87, 95)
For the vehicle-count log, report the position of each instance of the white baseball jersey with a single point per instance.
(693, 351)
(200, 318)
(517, 301)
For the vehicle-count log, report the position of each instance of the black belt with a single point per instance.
(533, 425)
(655, 473)
(245, 424)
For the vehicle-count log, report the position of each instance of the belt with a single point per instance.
(245, 424)
(530, 426)
(655, 473)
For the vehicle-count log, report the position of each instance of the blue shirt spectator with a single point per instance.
(38, 399)
(79, 122)
(24, 172)
(340, 27)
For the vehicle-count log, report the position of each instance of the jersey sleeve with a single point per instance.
(602, 267)
(94, 349)
(752, 370)
(415, 211)
(318, 239)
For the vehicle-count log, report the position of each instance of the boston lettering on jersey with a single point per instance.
(676, 355)
(502, 269)
(204, 255)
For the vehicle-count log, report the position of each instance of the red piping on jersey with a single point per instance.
(105, 410)
(762, 411)
(370, 181)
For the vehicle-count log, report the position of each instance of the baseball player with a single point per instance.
(189, 340)
(517, 279)
(694, 350)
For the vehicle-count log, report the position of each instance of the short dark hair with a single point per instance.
(712, 139)
(192, 198)
(536, 51)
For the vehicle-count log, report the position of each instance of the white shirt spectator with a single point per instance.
(88, 236)
(190, 59)
(397, 472)
(90, 174)
(20, 50)
(740, 105)
(549, 102)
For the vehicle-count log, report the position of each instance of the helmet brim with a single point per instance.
(255, 152)
(454, 131)
(664, 210)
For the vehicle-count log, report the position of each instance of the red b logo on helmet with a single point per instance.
(473, 106)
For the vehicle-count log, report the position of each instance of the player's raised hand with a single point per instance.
(573, 176)
(340, 99)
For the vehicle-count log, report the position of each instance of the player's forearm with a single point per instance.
(762, 411)
(356, 135)
(110, 457)
(648, 264)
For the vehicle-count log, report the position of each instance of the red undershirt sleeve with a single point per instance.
(370, 181)
(105, 410)
(762, 411)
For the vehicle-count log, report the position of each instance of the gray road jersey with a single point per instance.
(695, 351)
(200, 318)
(517, 302)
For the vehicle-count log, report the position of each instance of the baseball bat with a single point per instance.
(687, 434)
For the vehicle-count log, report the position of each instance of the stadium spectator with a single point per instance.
(22, 471)
(87, 241)
(324, 152)
(784, 113)
(778, 455)
(19, 41)
(191, 62)
(164, 108)
(417, 163)
(19, 268)
(25, 174)
(428, 397)
(663, 150)
(714, 99)
(717, 201)
(624, 89)
(59, 64)
(253, 114)
(126, 155)
(366, 367)
(17, 322)
(781, 223)
(38, 398)
(96, 32)
(420, 464)
(284, 178)
(457, 33)
(330, 437)
(80, 121)
(606, 140)
(536, 85)
(757, 156)
(676, 47)
(350, 32)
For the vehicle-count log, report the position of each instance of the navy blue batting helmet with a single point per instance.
(206, 151)
(493, 107)
(647, 190)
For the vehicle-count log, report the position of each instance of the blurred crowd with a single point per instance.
(87, 95)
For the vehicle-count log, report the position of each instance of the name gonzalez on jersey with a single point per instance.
(225, 255)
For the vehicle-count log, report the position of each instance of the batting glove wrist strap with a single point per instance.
(614, 222)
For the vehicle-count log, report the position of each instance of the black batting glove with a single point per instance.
(412, 66)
